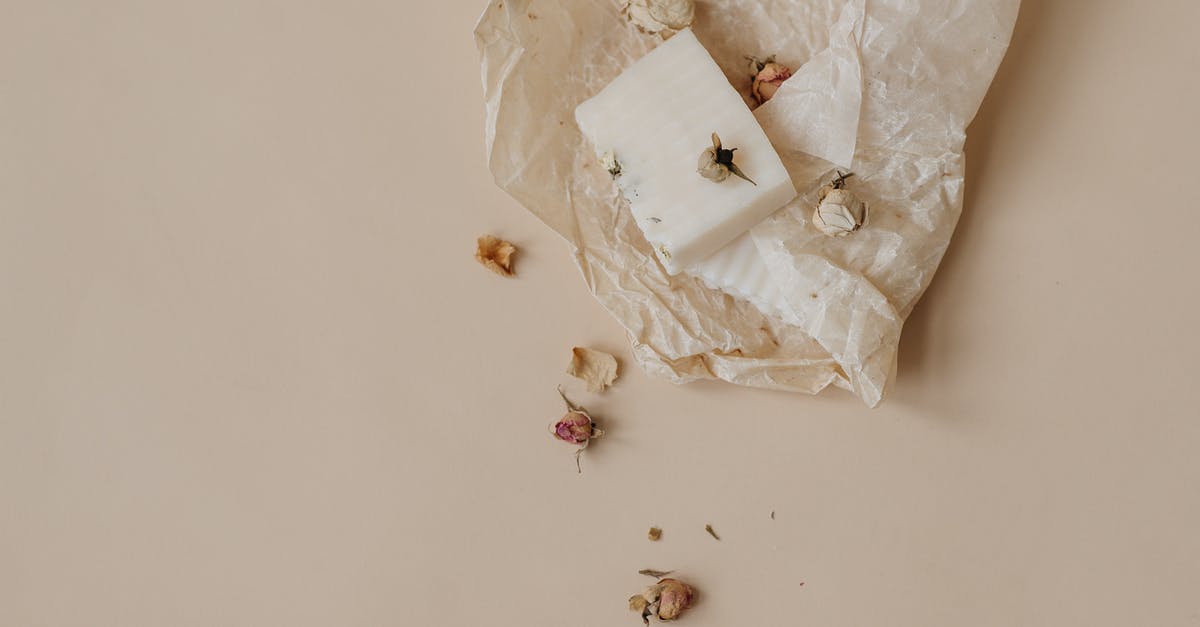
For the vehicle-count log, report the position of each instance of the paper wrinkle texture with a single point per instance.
(883, 88)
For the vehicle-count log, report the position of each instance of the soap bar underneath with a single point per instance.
(739, 270)
(656, 119)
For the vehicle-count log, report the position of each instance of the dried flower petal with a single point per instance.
(655, 534)
(657, 574)
(496, 255)
(597, 368)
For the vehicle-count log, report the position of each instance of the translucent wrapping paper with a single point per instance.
(883, 88)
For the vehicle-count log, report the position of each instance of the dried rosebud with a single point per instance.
(708, 167)
(839, 212)
(768, 79)
(576, 427)
(665, 17)
(665, 600)
(716, 163)
(676, 597)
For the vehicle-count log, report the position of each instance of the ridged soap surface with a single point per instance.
(738, 270)
(657, 117)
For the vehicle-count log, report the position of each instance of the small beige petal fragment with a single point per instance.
(597, 368)
(496, 255)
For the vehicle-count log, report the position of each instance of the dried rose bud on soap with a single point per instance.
(716, 163)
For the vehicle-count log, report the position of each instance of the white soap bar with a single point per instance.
(739, 270)
(656, 118)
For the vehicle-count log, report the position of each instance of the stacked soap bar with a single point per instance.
(656, 119)
(738, 270)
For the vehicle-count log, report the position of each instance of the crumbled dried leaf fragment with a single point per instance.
(596, 368)
(655, 534)
(710, 531)
(496, 255)
(657, 574)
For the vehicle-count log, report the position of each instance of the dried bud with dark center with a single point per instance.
(665, 600)
(716, 163)
(576, 427)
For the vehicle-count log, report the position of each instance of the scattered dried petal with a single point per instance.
(655, 534)
(597, 368)
(496, 255)
(710, 531)
(657, 574)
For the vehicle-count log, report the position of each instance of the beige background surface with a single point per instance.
(250, 374)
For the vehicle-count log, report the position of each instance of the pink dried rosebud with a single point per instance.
(675, 597)
(665, 600)
(767, 82)
(768, 76)
(575, 427)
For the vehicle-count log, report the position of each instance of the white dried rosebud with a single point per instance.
(664, 17)
(716, 163)
(839, 212)
(709, 168)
